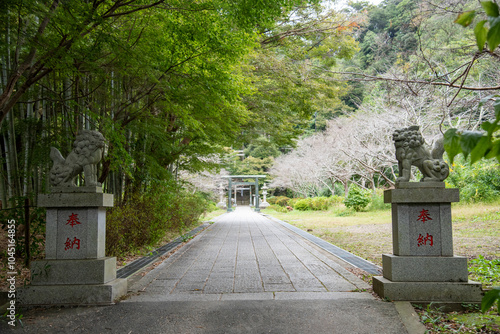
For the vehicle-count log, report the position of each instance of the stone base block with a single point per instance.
(97, 294)
(413, 185)
(81, 189)
(67, 272)
(421, 195)
(75, 200)
(444, 292)
(425, 268)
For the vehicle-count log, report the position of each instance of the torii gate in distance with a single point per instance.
(229, 188)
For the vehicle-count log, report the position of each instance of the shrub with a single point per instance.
(145, 219)
(211, 206)
(303, 204)
(479, 182)
(314, 203)
(292, 201)
(272, 200)
(335, 199)
(278, 200)
(357, 198)
(282, 200)
(320, 203)
(377, 201)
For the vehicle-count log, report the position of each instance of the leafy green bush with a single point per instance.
(292, 201)
(272, 200)
(377, 201)
(211, 206)
(320, 203)
(479, 182)
(282, 200)
(278, 208)
(357, 198)
(145, 219)
(278, 200)
(335, 199)
(303, 204)
(314, 203)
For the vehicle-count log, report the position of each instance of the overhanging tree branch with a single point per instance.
(367, 77)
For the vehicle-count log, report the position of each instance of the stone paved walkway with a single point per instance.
(243, 274)
(245, 255)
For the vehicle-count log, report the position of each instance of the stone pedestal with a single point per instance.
(423, 267)
(75, 270)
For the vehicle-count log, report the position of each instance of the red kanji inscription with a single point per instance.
(70, 244)
(421, 240)
(73, 220)
(424, 216)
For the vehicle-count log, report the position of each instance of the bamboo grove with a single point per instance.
(169, 84)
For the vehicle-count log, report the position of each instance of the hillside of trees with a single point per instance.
(305, 91)
(416, 66)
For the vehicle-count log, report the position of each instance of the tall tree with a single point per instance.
(163, 80)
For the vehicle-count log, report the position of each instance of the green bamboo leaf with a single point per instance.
(482, 147)
(468, 141)
(452, 143)
(490, 8)
(493, 35)
(465, 18)
(481, 32)
(489, 299)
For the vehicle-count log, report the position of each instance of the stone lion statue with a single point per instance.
(410, 150)
(88, 150)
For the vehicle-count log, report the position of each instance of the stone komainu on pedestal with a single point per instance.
(75, 270)
(411, 151)
(422, 267)
(88, 149)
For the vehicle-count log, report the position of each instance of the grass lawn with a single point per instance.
(210, 215)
